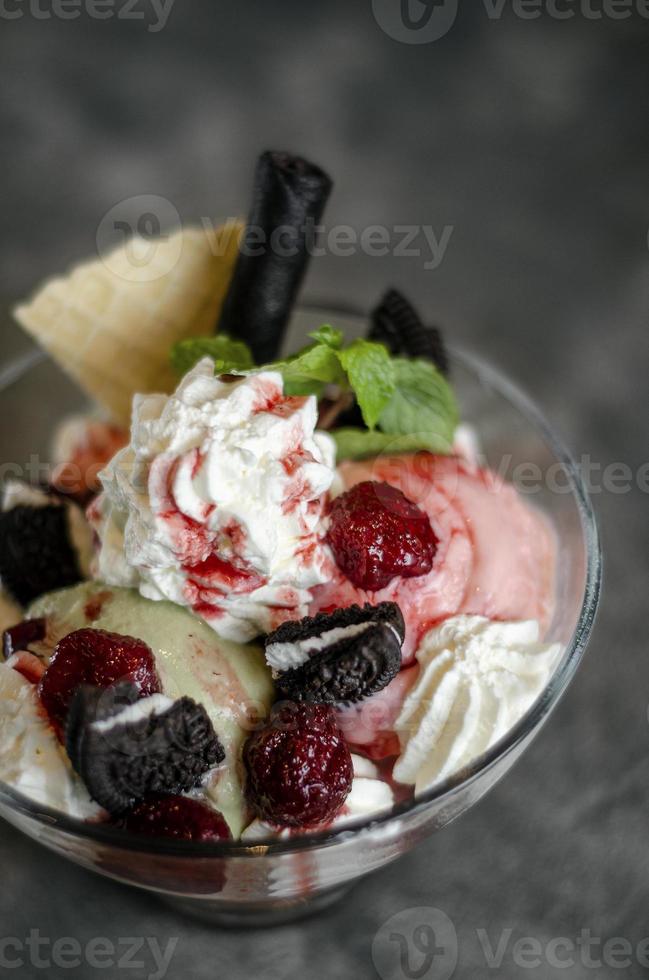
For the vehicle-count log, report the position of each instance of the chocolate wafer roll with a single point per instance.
(397, 324)
(289, 197)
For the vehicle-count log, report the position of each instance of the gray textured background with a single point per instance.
(530, 138)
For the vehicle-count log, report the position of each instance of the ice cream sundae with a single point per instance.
(261, 595)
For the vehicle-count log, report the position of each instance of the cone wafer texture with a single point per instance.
(111, 322)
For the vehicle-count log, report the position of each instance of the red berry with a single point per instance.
(299, 766)
(99, 658)
(376, 533)
(175, 816)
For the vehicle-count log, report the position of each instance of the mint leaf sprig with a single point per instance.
(229, 356)
(363, 367)
(406, 404)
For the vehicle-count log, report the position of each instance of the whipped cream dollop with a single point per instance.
(217, 502)
(369, 796)
(31, 758)
(477, 678)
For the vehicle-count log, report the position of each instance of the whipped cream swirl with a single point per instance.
(217, 502)
(31, 759)
(477, 678)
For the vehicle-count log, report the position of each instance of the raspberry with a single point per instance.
(99, 658)
(376, 534)
(178, 817)
(299, 766)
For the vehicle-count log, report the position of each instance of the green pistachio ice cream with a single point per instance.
(231, 680)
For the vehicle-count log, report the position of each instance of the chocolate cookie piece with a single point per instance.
(125, 747)
(36, 551)
(338, 657)
(315, 626)
(397, 324)
(347, 671)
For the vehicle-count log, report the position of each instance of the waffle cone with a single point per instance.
(110, 323)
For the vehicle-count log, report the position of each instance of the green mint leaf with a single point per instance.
(305, 373)
(318, 362)
(371, 375)
(361, 443)
(303, 387)
(228, 355)
(423, 403)
(328, 335)
(410, 400)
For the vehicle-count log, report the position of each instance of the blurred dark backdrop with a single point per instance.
(530, 138)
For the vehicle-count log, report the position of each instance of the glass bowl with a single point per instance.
(270, 881)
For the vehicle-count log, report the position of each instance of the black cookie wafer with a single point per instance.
(355, 653)
(346, 672)
(396, 323)
(123, 759)
(36, 551)
(302, 629)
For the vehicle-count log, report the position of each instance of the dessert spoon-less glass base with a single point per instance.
(269, 882)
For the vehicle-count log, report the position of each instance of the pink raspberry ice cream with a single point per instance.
(495, 557)
(495, 554)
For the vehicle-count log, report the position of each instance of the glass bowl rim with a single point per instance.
(530, 722)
